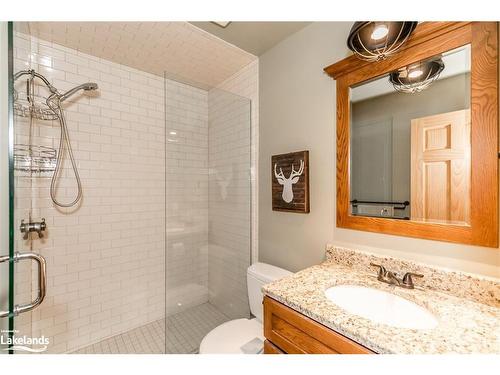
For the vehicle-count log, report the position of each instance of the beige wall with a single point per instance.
(297, 111)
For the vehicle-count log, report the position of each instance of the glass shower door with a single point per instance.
(6, 254)
(22, 286)
(104, 254)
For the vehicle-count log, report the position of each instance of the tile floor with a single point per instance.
(183, 334)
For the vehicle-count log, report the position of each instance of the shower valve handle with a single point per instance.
(36, 226)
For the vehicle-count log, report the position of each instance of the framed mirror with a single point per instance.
(410, 142)
(417, 137)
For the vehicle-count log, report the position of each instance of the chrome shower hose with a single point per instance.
(63, 140)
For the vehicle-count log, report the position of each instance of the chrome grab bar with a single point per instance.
(42, 282)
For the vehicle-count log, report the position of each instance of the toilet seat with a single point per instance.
(229, 337)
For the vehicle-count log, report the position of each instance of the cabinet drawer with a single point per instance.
(295, 333)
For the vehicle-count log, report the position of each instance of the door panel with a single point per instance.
(22, 286)
(440, 168)
(6, 248)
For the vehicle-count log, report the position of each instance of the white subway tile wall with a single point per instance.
(105, 257)
(245, 83)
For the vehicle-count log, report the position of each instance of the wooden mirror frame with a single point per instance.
(431, 39)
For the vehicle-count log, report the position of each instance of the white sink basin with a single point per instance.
(381, 307)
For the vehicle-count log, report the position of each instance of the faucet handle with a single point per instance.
(381, 269)
(408, 280)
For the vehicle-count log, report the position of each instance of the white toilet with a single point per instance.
(229, 337)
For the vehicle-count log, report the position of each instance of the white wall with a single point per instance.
(297, 111)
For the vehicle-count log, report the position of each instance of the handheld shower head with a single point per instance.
(89, 86)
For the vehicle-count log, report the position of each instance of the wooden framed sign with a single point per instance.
(290, 182)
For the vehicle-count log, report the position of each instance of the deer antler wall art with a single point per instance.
(290, 186)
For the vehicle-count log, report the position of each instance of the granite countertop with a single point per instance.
(464, 325)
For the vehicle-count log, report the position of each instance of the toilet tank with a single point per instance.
(259, 274)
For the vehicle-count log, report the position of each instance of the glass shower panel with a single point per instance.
(208, 212)
(6, 253)
(106, 254)
(24, 133)
(187, 213)
(229, 210)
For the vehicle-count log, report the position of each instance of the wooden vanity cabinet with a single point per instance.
(289, 332)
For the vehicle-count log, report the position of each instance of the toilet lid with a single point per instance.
(229, 337)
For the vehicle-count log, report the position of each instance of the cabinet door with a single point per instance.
(294, 333)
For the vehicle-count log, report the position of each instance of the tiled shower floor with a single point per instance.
(183, 334)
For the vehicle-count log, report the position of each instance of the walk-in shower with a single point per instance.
(144, 216)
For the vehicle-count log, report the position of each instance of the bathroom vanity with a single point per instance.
(446, 312)
(290, 332)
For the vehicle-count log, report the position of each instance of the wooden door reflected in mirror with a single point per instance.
(440, 168)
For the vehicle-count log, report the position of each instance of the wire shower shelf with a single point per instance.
(37, 109)
(34, 158)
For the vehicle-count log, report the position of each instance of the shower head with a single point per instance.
(89, 86)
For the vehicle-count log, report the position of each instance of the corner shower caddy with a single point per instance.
(30, 159)
(36, 159)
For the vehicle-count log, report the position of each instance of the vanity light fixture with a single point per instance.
(375, 40)
(380, 32)
(416, 77)
(415, 73)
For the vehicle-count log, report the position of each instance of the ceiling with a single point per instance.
(253, 37)
(183, 51)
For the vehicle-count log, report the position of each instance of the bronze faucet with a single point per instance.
(392, 278)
